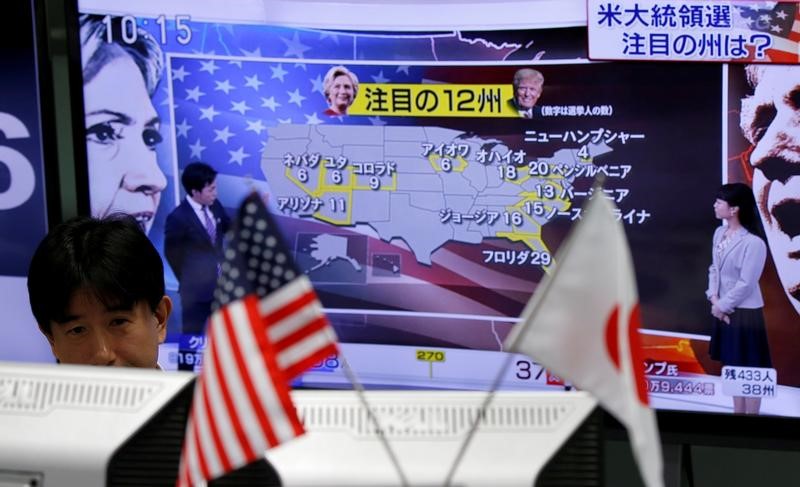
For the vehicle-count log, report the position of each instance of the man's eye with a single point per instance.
(151, 137)
(764, 116)
(756, 118)
(793, 99)
(103, 133)
(76, 331)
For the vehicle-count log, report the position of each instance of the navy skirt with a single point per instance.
(743, 342)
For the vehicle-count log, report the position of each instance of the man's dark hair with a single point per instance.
(197, 176)
(111, 259)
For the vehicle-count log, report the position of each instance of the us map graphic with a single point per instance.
(371, 199)
(424, 185)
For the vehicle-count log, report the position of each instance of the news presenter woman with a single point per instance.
(121, 70)
(738, 255)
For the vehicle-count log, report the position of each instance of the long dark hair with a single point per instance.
(741, 196)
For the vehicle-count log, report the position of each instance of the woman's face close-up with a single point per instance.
(342, 93)
(122, 131)
(722, 209)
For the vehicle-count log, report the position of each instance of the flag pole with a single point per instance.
(495, 384)
(474, 427)
(372, 418)
(534, 306)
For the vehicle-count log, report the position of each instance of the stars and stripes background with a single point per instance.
(290, 80)
(779, 20)
(226, 93)
(267, 328)
(223, 108)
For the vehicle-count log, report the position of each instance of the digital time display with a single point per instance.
(129, 34)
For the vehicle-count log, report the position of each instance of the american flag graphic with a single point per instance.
(780, 21)
(224, 108)
(267, 327)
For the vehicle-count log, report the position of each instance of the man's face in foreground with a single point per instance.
(770, 120)
(92, 334)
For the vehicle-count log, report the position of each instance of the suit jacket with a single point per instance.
(733, 275)
(536, 111)
(190, 252)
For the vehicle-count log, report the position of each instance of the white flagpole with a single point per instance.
(476, 421)
(530, 310)
(373, 418)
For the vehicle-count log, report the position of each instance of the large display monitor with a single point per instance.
(27, 146)
(419, 193)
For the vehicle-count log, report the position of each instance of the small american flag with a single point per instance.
(780, 21)
(267, 327)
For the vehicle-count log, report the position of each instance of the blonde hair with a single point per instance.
(332, 74)
(527, 73)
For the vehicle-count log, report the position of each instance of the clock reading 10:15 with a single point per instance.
(129, 33)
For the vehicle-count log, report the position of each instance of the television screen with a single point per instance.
(424, 178)
(23, 205)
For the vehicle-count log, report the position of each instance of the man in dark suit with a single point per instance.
(528, 84)
(193, 244)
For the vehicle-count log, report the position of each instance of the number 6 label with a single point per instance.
(23, 179)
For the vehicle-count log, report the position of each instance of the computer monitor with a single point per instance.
(518, 434)
(87, 426)
(81, 426)
(426, 205)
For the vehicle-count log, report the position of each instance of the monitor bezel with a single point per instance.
(676, 426)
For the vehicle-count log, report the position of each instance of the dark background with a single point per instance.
(22, 226)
